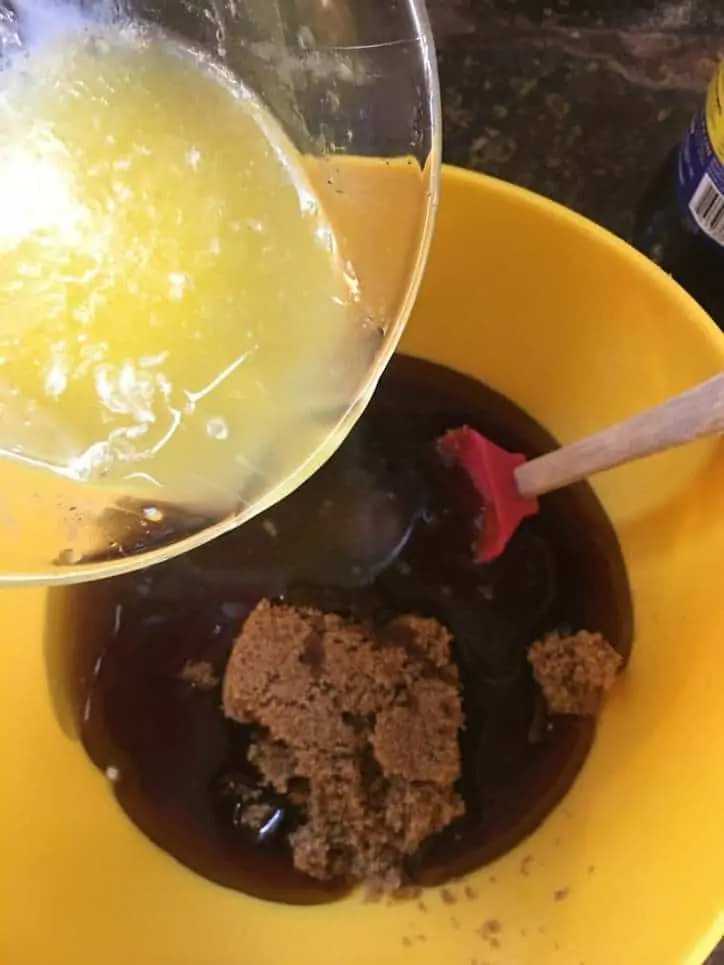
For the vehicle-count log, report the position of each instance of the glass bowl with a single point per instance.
(353, 84)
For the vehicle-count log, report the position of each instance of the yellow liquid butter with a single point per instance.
(175, 315)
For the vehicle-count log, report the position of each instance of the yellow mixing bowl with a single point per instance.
(629, 870)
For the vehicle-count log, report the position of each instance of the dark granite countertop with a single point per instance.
(578, 99)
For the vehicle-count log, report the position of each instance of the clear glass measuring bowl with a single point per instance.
(353, 85)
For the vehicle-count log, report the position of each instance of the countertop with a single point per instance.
(578, 99)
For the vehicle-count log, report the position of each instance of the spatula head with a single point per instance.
(491, 471)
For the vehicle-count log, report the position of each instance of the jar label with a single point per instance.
(701, 165)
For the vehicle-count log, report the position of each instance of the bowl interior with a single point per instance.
(580, 331)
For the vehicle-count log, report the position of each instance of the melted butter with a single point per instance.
(176, 315)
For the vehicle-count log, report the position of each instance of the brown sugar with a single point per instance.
(359, 726)
(574, 672)
(199, 674)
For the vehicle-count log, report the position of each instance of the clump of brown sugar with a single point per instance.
(358, 726)
(199, 673)
(574, 672)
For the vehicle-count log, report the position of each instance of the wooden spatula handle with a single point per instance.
(695, 413)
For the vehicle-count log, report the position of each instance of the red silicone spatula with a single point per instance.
(509, 485)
